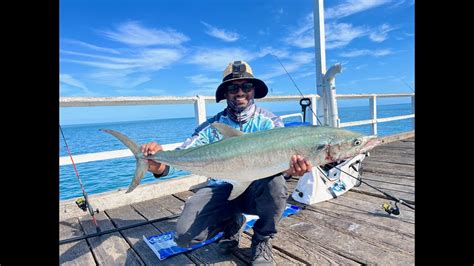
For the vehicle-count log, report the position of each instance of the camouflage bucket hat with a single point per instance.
(238, 70)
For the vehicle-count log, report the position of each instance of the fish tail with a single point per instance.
(142, 164)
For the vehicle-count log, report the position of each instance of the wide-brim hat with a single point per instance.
(238, 70)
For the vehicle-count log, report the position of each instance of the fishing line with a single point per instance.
(408, 85)
(386, 194)
(294, 83)
(359, 179)
(72, 239)
(87, 204)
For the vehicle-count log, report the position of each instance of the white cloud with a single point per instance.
(225, 35)
(203, 80)
(292, 63)
(144, 60)
(336, 34)
(341, 34)
(366, 52)
(132, 33)
(91, 46)
(217, 59)
(110, 66)
(380, 34)
(67, 81)
(351, 7)
(303, 35)
(123, 79)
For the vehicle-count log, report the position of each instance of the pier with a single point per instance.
(351, 229)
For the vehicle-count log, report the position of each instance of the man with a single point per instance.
(208, 211)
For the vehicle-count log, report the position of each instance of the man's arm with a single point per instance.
(200, 137)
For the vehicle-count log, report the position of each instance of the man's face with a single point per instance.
(239, 93)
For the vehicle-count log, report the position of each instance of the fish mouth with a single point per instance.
(371, 143)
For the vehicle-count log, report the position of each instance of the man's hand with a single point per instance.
(298, 166)
(150, 149)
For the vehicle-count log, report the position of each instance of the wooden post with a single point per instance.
(200, 109)
(373, 112)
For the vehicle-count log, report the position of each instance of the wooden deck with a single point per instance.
(351, 229)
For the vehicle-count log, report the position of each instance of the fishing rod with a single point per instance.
(387, 207)
(84, 203)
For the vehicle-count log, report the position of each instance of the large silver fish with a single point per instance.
(242, 158)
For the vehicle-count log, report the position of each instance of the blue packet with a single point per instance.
(163, 245)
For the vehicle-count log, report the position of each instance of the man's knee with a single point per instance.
(277, 187)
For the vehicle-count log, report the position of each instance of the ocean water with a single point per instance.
(107, 175)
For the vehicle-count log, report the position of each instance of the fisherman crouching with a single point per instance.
(208, 211)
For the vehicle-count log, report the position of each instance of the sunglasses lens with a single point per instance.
(232, 88)
(246, 87)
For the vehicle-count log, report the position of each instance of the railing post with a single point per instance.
(413, 110)
(373, 112)
(314, 119)
(200, 109)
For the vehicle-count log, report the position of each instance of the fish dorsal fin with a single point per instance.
(238, 188)
(226, 131)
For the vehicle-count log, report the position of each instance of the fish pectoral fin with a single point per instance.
(226, 131)
(238, 188)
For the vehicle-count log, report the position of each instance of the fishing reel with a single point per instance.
(391, 210)
(83, 205)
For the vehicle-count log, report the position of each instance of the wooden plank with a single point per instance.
(400, 144)
(403, 192)
(389, 168)
(77, 252)
(297, 248)
(364, 208)
(388, 150)
(126, 215)
(152, 209)
(184, 196)
(394, 179)
(347, 245)
(364, 201)
(397, 158)
(109, 249)
(280, 258)
(362, 230)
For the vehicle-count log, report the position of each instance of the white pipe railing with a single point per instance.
(200, 114)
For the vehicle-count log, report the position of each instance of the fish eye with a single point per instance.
(357, 142)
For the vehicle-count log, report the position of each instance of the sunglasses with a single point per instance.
(234, 88)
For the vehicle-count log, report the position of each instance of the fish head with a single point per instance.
(349, 144)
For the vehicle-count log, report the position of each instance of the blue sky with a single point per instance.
(180, 48)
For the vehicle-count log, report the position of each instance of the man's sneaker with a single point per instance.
(262, 253)
(231, 238)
